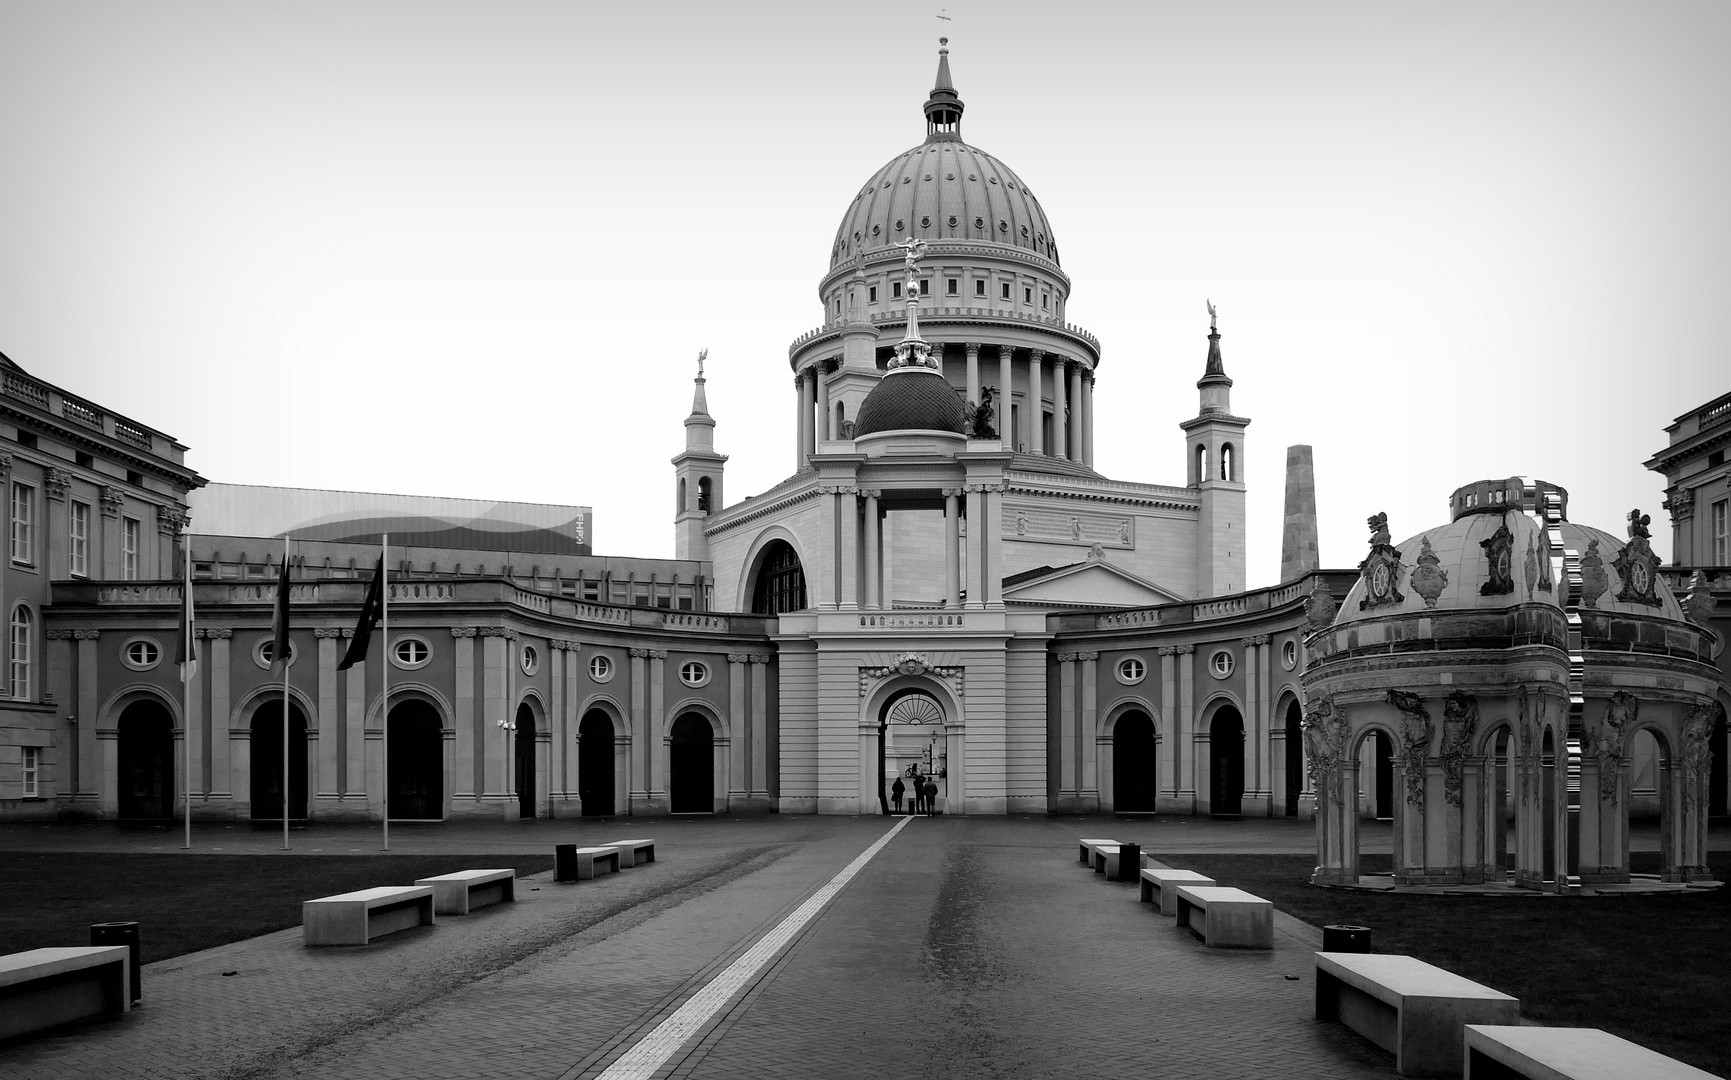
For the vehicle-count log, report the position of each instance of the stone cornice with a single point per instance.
(1108, 491)
(746, 513)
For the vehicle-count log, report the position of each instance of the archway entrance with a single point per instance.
(1134, 776)
(145, 773)
(267, 763)
(415, 781)
(1382, 801)
(1294, 757)
(1226, 762)
(691, 766)
(525, 754)
(595, 763)
(915, 745)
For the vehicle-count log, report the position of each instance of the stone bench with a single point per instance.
(465, 890)
(594, 860)
(1543, 1053)
(1410, 1008)
(1228, 918)
(1160, 886)
(632, 852)
(1087, 849)
(43, 988)
(356, 918)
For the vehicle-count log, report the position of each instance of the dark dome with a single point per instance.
(911, 399)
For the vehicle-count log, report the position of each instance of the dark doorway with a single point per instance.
(415, 788)
(1134, 777)
(1294, 757)
(267, 789)
(146, 762)
(595, 764)
(1716, 784)
(691, 766)
(525, 753)
(1383, 804)
(1226, 762)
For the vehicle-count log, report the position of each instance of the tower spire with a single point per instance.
(1214, 384)
(943, 108)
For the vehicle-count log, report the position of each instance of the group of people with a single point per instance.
(921, 793)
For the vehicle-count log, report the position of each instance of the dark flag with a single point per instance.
(186, 649)
(279, 621)
(371, 613)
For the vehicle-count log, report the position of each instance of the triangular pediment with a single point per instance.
(1091, 584)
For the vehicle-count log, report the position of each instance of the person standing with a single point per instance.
(896, 790)
(930, 791)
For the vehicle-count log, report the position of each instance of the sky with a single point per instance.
(473, 249)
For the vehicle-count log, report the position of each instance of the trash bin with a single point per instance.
(1343, 938)
(121, 933)
(565, 862)
(1129, 862)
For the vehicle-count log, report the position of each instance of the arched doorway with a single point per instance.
(1294, 756)
(691, 766)
(595, 763)
(415, 784)
(780, 584)
(525, 755)
(1382, 801)
(914, 741)
(1226, 762)
(1134, 776)
(145, 773)
(267, 770)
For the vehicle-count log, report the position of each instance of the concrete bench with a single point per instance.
(1160, 886)
(1087, 849)
(1226, 918)
(1410, 1008)
(465, 890)
(632, 852)
(1542, 1053)
(43, 988)
(356, 918)
(593, 860)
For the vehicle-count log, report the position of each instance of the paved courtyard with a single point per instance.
(961, 948)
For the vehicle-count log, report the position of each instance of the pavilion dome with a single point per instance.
(911, 399)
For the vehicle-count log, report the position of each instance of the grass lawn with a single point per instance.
(184, 903)
(1654, 969)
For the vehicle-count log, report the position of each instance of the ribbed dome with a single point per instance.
(944, 189)
(911, 399)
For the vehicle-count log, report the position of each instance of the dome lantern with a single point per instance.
(943, 108)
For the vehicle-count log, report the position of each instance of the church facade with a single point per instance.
(943, 584)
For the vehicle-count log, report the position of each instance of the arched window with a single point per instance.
(682, 507)
(780, 581)
(703, 495)
(1226, 462)
(1201, 463)
(20, 653)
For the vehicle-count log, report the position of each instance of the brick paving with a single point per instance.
(967, 948)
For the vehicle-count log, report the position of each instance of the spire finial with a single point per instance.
(912, 350)
(943, 108)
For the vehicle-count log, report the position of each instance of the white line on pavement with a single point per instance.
(653, 1050)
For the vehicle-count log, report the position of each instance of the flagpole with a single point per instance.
(288, 653)
(385, 675)
(186, 686)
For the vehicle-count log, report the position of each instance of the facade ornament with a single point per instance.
(1614, 728)
(214, 635)
(170, 520)
(57, 635)
(1186, 650)
(112, 500)
(323, 632)
(506, 632)
(1075, 527)
(56, 482)
(1320, 609)
(1325, 734)
(1681, 503)
(1124, 531)
(657, 654)
(1428, 578)
(1086, 656)
(847, 430)
(1593, 579)
(638, 654)
(462, 631)
(1381, 568)
(911, 663)
(1699, 606)
(738, 658)
(760, 658)
(86, 635)
(1531, 565)
(1460, 720)
(1021, 523)
(1637, 565)
(1415, 733)
(1066, 658)
(981, 416)
(1097, 551)
(1167, 650)
(5, 462)
(1498, 548)
(1697, 758)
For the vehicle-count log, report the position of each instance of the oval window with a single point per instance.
(692, 673)
(531, 660)
(141, 654)
(600, 668)
(410, 652)
(1220, 664)
(1289, 655)
(1132, 670)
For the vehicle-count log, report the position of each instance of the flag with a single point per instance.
(185, 649)
(371, 613)
(279, 621)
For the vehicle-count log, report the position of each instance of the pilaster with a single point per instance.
(1060, 407)
(222, 771)
(1090, 725)
(323, 780)
(760, 727)
(737, 725)
(469, 782)
(639, 789)
(653, 763)
(1193, 780)
(1069, 763)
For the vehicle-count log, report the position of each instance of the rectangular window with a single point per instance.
(1006, 288)
(980, 287)
(1721, 541)
(134, 533)
(952, 286)
(1027, 296)
(1045, 301)
(23, 523)
(895, 290)
(78, 538)
(925, 286)
(32, 771)
(872, 294)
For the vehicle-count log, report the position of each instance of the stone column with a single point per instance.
(1060, 406)
(221, 739)
(874, 568)
(495, 710)
(639, 726)
(1172, 772)
(1089, 723)
(1006, 399)
(844, 501)
(976, 562)
(736, 726)
(973, 350)
(760, 726)
(1256, 789)
(807, 419)
(937, 356)
(324, 785)
(1078, 428)
(952, 549)
(991, 560)
(469, 782)
(1088, 420)
(819, 376)
(1069, 752)
(1036, 400)
(653, 765)
(1194, 778)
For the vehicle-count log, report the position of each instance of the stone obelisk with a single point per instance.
(1299, 552)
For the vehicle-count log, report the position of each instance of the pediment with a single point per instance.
(1093, 584)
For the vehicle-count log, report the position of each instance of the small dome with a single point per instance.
(911, 399)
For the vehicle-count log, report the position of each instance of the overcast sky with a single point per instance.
(473, 249)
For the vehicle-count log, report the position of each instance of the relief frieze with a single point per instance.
(1045, 526)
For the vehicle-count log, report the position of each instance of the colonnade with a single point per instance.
(1072, 398)
(860, 573)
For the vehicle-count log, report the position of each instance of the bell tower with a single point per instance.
(697, 473)
(1214, 448)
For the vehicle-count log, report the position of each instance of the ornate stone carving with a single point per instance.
(1619, 718)
(57, 635)
(1681, 503)
(1185, 650)
(761, 658)
(86, 635)
(1460, 720)
(911, 663)
(1325, 732)
(1037, 525)
(638, 653)
(327, 632)
(112, 500)
(1499, 552)
(1428, 578)
(981, 416)
(1320, 608)
(1415, 733)
(55, 482)
(506, 632)
(738, 658)
(657, 654)
(1697, 758)
(1699, 606)
(1637, 565)
(217, 635)
(1381, 568)
(5, 462)
(170, 520)
(1167, 650)
(1594, 581)
(1066, 658)
(462, 631)
(1087, 656)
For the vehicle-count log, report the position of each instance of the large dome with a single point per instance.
(944, 189)
(911, 399)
